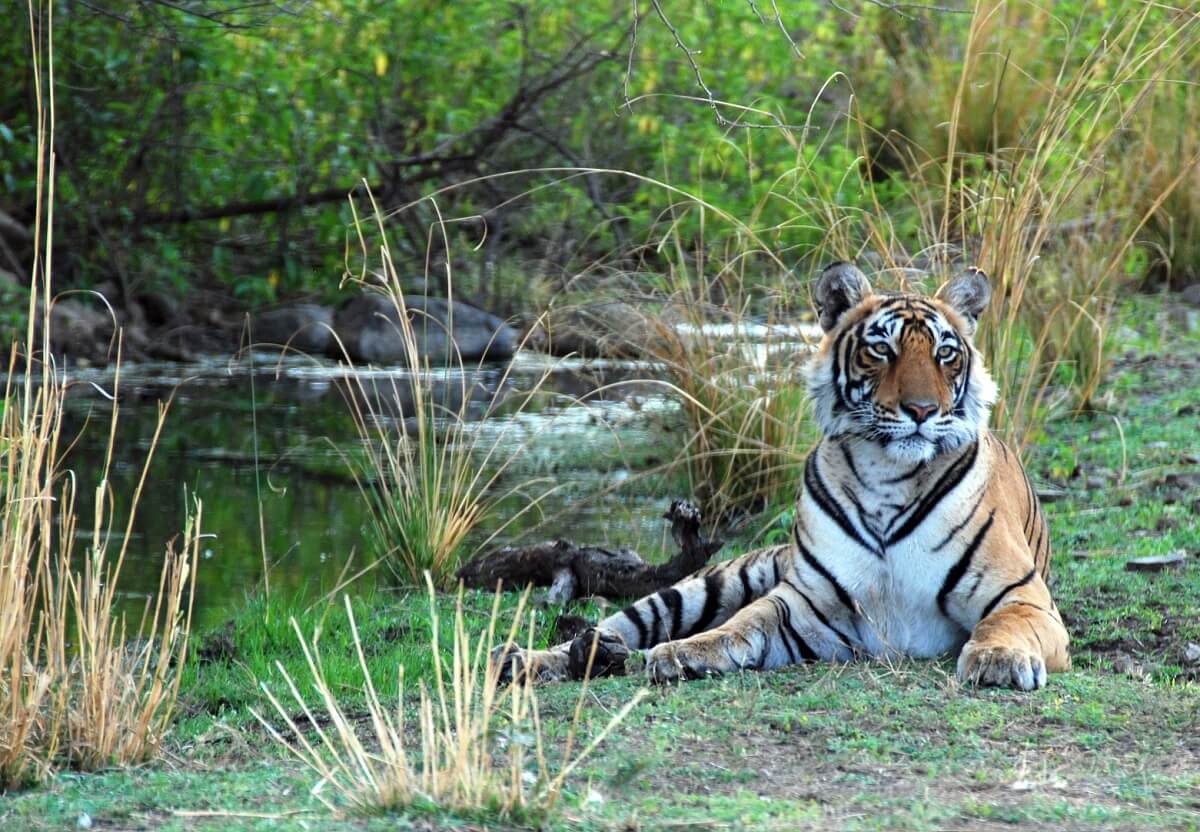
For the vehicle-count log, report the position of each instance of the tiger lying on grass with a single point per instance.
(917, 531)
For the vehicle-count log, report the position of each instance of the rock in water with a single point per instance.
(369, 326)
(305, 327)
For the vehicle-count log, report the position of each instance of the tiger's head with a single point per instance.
(900, 370)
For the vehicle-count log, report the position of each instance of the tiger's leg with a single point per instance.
(787, 626)
(1019, 636)
(698, 602)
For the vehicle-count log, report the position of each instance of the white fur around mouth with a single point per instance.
(911, 448)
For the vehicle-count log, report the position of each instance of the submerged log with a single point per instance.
(573, 571)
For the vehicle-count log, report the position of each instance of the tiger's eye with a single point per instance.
(946, 353)
(877, 352)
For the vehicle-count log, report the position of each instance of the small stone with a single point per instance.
(1080, 554)
(84, 821)
(1051, 494)
(1129, 666)
(1157, 563)
(1191, 654)
(1191, 294)
(1096, 483)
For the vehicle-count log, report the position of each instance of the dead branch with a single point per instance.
(574, 571)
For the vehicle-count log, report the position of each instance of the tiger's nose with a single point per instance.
(919, 410)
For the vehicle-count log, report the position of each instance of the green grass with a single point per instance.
(1111, 745)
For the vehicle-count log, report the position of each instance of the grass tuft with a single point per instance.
(482, 747)
(430, 477)
(77, 685)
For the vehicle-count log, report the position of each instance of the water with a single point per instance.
(264, 442)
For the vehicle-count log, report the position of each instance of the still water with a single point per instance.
(264, 442)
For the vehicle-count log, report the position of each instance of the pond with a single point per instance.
(266, 443)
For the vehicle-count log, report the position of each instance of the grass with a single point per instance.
(1108, 746)
(79, 686)
(747, 435)
(481, 749)
(1166, 160)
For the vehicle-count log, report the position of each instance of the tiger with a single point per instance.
(917, 532)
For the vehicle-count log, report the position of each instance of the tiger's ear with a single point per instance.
(839, 287)
(967, 293)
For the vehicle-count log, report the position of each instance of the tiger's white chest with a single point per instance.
(893, 584)
(898, 600)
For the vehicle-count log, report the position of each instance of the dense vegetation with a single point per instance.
(211, 146)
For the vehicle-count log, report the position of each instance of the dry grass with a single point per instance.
(77, 685)
(430, 477)
(1165, 146)
(481, 748)
(747, 423)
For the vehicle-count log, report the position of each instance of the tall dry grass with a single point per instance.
(78, 686)
(1162, 156)
(429, 475)
(481, 744)
(1057, 172)
(738, 389)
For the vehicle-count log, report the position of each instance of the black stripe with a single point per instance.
(747, 589)
(974, 586)
(819, 568)
(859, 511)
(1037, 607)
(656, 621)
(842, 637)
(945, 484)
(812, 482)
(850, 463)
(1030, 514)
(960, 526)
(960, 400)
(806, 652)
(774, 571)
(992, 604)
(908, 476)
(673, 601)
(713, 585)
(836, 370)
(960, 568)
(1036, 635)
(780, 611)
(643, 637)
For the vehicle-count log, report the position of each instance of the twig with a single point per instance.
(633, 32)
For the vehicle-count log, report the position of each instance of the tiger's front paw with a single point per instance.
(597, 653)
(1000, 666)
(683, 660)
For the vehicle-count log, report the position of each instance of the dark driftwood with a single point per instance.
(574, 571)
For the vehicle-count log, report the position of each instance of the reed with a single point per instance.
(78, 686)
(428, 473)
